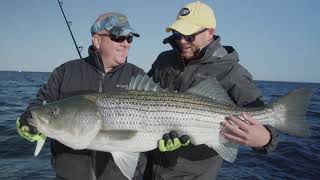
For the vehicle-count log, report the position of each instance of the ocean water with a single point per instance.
(295, 158)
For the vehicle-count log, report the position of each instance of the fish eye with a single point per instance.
(54, 111)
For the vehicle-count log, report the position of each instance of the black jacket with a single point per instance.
(217, 61)
(77, 77)
(220, 62)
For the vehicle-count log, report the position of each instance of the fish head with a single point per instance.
(73, 121)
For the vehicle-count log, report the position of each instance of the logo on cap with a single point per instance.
(122, 19)
(184, 12)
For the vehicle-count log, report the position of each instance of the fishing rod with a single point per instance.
(79, 48)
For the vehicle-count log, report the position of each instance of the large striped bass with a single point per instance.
(127, 123)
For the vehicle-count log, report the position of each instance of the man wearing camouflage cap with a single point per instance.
(104, 70)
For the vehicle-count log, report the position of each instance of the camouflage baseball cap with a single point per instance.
(116, 23)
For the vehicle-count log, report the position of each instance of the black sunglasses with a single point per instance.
(189, 38)
(119, 39)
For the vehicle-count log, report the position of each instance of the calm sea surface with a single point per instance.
(295, 158)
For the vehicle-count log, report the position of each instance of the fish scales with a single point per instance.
(160, 111)
(141, 109)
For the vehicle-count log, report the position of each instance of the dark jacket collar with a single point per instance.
(95, 60)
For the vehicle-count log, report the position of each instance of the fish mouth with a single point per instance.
(42, 124)
(36, 117)
(33, 119)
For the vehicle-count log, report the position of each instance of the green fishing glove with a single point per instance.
(27, 131)
(171, 141)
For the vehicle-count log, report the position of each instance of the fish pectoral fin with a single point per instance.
(119, 135)
(228, 151)
(225, 148)
(127, 162)
(40, 144)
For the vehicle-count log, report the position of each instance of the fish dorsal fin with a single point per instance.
(211, 88)
(127, 162)
(134, 81)
(145, 83)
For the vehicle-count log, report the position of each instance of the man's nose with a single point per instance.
(182, 40)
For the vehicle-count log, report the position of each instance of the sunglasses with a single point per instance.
(118, 39)
(189, 38)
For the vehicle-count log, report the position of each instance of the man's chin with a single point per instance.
(122, 61)
(187, 56)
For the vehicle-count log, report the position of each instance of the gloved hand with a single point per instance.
(27, 131)
(171, 142)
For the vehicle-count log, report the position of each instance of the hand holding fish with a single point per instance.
(27, 130)
(247, 132)
(171, 142)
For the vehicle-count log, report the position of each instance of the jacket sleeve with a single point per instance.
(165, 71)
(273, 142)
(153, 72)
(246, 94)
(242, 88)
(48, 93)
(134, 70)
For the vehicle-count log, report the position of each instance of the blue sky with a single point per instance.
(276, 40)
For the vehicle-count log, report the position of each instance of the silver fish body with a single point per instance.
(126, 123)
(147, 115)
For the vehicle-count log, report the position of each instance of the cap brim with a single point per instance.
(124, 31)
(184, 27)
(135, 34)
(129, 31)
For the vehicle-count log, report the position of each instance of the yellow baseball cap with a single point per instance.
(192, 18)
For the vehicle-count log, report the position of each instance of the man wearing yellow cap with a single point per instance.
(196, 55)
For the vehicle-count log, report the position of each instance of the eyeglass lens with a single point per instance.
(188, 38)
(119, 39)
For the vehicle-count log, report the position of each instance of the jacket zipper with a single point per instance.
(94, 152)
(180, 78)
(179, 81)
(101, 82)
(180, 75)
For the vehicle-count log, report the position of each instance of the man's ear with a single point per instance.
(96, 41)
(211, 31)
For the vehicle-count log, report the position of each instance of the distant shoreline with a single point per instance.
(254, 80)
(24, 71)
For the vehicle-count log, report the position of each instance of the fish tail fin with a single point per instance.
(291, 113)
